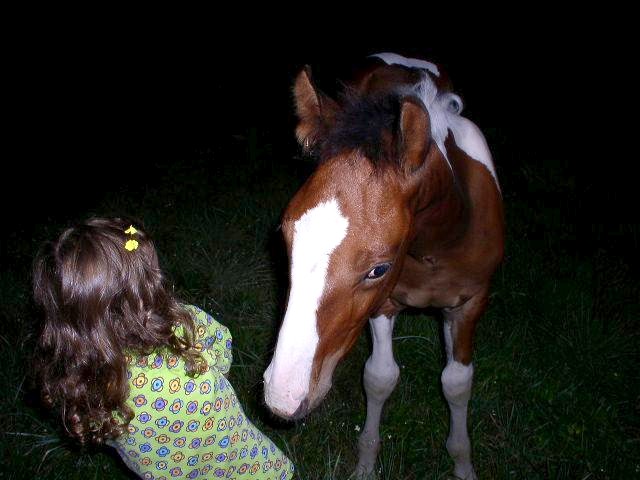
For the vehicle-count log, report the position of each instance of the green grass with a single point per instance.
(556, 392)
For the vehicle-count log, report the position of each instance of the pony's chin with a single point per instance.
(299, 413)
(317, 395)
(319, 389)
(303, 409)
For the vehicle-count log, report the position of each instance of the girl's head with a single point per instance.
(101, 296)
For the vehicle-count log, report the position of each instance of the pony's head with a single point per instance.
(346, 230)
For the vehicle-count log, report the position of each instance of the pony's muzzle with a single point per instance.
(282, 400)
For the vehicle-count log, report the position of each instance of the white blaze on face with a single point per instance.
(316, 235)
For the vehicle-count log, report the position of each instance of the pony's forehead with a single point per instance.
(350, 180)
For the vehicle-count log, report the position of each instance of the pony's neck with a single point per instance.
(440, 207)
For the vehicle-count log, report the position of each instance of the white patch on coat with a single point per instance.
(456, 381)
(444, 111)
(395, 59)
(448, 339)
(470, 139)
(317, 233)
(381, 373)
(456, 386)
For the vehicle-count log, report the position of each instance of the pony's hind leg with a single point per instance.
(380, 378)
(457, 376)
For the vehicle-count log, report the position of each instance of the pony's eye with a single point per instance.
(378, 271)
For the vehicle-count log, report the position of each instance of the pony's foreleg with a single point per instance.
(459, 328)
(380, 378)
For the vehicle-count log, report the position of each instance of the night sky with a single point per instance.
(90, 113)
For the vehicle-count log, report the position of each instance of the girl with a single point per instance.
(129, 366)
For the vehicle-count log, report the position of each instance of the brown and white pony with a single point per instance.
(403, 210)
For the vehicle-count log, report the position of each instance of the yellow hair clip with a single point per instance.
(131, 245)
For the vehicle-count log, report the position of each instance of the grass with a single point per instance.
(556, 392)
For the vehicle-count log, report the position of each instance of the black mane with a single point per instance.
(367, 124)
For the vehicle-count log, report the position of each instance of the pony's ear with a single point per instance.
(415, 134)
(315, 110)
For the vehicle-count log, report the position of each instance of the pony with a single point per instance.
(403, 210)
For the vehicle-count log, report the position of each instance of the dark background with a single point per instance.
(94, 109)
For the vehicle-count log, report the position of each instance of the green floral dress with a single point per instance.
(194, 427)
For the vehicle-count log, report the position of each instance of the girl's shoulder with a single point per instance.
(211, 338)
(206, 321)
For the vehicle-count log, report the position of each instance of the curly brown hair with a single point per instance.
(99, 301)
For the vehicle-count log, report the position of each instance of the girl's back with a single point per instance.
(187, 427)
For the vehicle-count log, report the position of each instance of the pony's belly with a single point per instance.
(428, 283)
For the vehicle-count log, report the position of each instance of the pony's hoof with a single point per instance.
(469, 476)
(365, 471)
